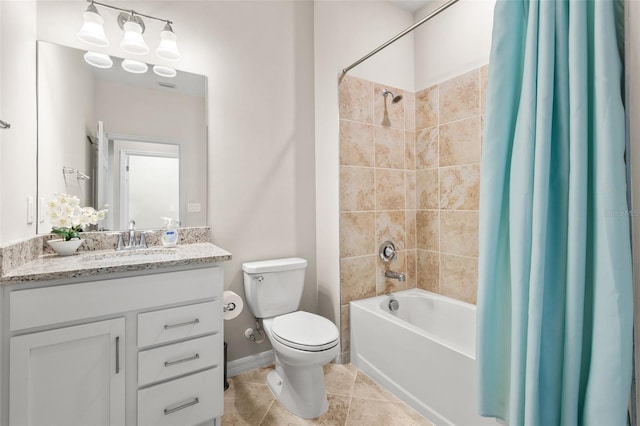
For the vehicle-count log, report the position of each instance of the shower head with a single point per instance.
(394, 98)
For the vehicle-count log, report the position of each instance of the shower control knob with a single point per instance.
(387, 251)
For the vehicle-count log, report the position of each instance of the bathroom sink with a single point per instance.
(129, 254)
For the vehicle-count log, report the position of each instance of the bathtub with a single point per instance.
(424, 353)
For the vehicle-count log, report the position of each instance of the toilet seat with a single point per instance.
(305, 331)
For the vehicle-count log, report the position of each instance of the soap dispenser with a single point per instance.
(170, 235)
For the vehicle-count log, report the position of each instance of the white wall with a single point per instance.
(18, 144)
(66, 93)
(344, 32)
(258, 57)
(453, 42)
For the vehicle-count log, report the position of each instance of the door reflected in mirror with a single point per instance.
(142, 140)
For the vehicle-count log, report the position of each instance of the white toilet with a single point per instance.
(302, 342)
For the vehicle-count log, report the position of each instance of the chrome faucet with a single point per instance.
(395, 275)
(132, 233)
(131, 243)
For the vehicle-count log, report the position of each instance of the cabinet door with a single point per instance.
(69, 376)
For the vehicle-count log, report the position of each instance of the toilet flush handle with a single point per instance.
(260, 278)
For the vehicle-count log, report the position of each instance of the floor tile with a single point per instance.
(246, 403)
(335, 415)
(366, 388)
(339, 378)
(382, 413)
(258, 375)
(354, 399)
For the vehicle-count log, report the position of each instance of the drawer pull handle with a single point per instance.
(168, 411)
(181, 324)
(180, 361)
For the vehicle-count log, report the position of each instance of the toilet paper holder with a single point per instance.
(229, 307)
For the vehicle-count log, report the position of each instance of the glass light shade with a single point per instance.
(168, 48)
(133, 42)
(135, 67)
(92, 31)
(164, 71)
(98, 60)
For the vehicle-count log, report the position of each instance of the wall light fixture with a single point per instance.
(92, 32)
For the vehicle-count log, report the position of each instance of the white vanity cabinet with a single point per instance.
(133, 350)
(70, 375)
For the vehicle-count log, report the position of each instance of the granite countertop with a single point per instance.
(98, 262)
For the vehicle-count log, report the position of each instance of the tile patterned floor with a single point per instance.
(354, 400)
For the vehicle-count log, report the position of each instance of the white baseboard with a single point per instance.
(249, 363)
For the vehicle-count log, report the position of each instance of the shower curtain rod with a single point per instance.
(402, 34)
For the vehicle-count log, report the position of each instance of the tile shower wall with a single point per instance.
(409, 173)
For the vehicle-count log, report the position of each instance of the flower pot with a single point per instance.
(65, 248)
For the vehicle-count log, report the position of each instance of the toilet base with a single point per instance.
(302, 393)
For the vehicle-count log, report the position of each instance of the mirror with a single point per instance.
(136, 143)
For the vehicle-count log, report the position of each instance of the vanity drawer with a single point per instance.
(187, 401)
(178, 323)
(177, 359)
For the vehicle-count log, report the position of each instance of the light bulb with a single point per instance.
(135, 67)
(98, 60)
(168, 48)
(164, 71)
(133, 42)
(92, 30)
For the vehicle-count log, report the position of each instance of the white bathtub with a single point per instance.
(424, 353)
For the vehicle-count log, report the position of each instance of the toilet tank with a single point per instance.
(274, 287)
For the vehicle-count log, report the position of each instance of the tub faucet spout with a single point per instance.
(395, 275)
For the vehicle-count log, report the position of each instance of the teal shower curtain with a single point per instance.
(555, 308)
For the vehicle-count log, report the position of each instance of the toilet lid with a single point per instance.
(305, 331)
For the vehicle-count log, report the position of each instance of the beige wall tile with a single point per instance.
(357, 191)
(410, 150)
(428, 270)
(410, 187)
(386, 113)
(428, 229)
(356, 99)
(460, 187)
(460, 142)
(390, 226)
(390, 189)
(409, 110)
(459, 277)
(345, 329)
(427, 189)
(484, 77)
(460, 97)
(427, 148)
(356, 144)
(357, 234)
(459, 233)
(410, 228)
(357, 278)
(390, 151)
(386, 285)
(412, 268)
(427, 108)
(481, 133)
